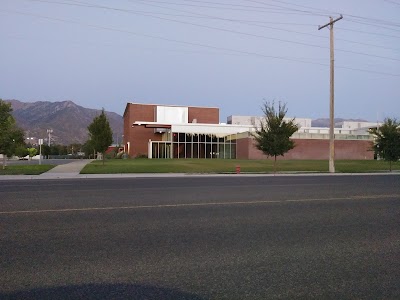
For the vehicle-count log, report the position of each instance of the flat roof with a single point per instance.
(135, 103)
(172, 105)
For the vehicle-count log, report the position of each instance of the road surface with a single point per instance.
(321, 237)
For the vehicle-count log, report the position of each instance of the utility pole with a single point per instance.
(49, 131)
(332, 95)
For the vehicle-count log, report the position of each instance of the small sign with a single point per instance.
(40, 141)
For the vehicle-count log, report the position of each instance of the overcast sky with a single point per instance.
(229, 54)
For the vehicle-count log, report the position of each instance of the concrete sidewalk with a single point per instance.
(69, 170)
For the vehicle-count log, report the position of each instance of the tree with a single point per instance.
(32, 152)
(273, 136)
(21, 151)
(46, 150)
(74, 148)
(88, 148)
(100, 133)
(10, 135)
(387, 141)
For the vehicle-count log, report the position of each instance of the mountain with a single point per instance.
(68, 121)
(324, 122)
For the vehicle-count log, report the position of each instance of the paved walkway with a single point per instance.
(71, 169)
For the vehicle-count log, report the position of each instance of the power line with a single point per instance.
(234, 31)
(199, 25)
(219, 3)
(99, 27)
(356, 19)
(368, 32)
(263, 9)
(369, 19)
(394, 2)
(157, 37)
(293, 9)
(283, 29)
(96, 44)
(298, 5)
(374, 25)
(191, 14)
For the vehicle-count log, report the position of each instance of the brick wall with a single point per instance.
(138, 136)
(206, 115)
(314, 149)
(243, 148)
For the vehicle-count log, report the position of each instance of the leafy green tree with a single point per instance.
(58, 149)
(54, 149)
(88, 149)
(46, 151)
(273, 135)
(100, 133)
(21, 151)
(387, 141)
(32, 152)
(10, 135)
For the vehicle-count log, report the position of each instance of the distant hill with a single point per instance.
(324, 122)
(68, 120)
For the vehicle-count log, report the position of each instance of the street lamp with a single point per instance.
(49, 132)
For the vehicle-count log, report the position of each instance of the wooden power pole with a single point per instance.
(332, 95)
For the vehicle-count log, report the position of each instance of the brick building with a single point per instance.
(160, 131)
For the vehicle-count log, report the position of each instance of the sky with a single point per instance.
(231, 54)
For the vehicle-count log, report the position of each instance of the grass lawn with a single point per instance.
(25, 169)
(115, 166)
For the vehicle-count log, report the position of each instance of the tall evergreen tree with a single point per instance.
(100, 133)
(273, 135)
(387, 141)
(10, 135)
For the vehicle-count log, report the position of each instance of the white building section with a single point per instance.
(256, 120)
(172, 114)
(357, 125)
(219, 129)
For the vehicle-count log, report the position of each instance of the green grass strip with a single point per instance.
(25, 169)
(116, 166)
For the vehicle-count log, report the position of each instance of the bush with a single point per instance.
(120, 155)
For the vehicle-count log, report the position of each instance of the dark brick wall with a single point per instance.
(316, 149)
(206, 115)
(242, 148)
(138, 136)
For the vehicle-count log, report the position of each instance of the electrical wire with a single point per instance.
(298, 5)
(286, 30)
(291, 9)
(366, 19)
(218, 18)
(234, 31)
(263, 9)
(368, 32)
(99, 27)
(394, 2)
(374, 25)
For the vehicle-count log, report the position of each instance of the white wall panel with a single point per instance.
(172, 115)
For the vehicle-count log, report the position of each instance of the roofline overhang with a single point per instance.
(151, 124)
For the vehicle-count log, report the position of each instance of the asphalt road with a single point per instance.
(328, 237)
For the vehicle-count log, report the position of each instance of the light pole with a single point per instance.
(40, 151)
(49, 132)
